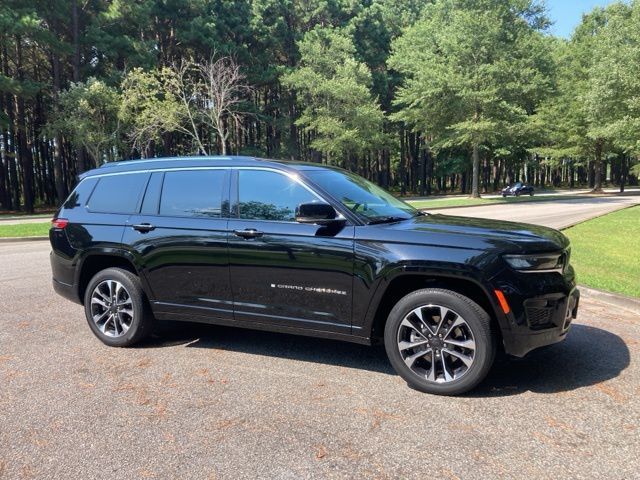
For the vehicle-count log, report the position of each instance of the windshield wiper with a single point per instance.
(386, 219)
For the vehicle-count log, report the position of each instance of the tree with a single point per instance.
(87, 112)
(613, 100)
(190, 98)
(473, 71)
(222, 92)
(150, 109)
(339, 109)
(401, 91)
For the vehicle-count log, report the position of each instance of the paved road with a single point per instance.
(539, 193)
(213, 402)
(558, 213)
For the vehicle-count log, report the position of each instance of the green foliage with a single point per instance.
(402, 91)
(474, 70)
(149, 107)
(614, 98)
(339, 109)
(88, 114)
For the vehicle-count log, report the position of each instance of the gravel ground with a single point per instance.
(214, 402)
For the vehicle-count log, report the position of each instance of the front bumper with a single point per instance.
(548, 320)
(542, 307)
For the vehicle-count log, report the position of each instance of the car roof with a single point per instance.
(201, 161)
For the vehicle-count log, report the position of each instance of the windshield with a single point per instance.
(361, 196)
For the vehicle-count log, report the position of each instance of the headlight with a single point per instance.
(537, 263)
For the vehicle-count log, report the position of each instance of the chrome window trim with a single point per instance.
(292, 175)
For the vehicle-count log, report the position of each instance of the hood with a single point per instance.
(475, 233)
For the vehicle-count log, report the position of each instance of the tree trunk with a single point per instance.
(75, 32)
(597, 177)
(475, 193)
(423, 167)
(61, 192)
(623, 172)
(24, 149)
(401, 169)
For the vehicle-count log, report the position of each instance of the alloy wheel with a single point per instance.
(111, 308)
(436, 343)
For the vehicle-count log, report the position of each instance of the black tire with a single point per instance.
(141, 324)
(476, 319)
(504, 195)
(517, 194)
(531, 193)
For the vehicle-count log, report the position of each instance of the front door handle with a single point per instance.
(248, 233)
(143, 227)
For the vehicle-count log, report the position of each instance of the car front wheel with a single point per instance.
(439, 341)
(116, 308)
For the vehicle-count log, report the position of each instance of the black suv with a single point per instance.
(312, 250)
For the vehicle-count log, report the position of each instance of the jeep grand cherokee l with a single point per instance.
(311, 250)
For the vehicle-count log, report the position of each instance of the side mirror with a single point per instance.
(316, 213)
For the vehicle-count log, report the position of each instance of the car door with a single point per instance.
(283, 272)
(180, 239)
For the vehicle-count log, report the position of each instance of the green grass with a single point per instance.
(25, 230)
(606, 252)
(471, 202)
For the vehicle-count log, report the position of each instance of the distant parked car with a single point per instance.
(517, 190)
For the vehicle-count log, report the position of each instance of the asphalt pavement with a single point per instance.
(557, 213)
(214, 402)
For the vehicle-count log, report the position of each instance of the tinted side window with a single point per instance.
(265, 195)
(80, 194)
(193, 193)
(118, 193)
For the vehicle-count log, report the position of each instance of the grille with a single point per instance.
(539, 317)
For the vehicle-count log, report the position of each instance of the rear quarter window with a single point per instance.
(118, 193)
(80, 194)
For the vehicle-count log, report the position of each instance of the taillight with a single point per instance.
(59, 223)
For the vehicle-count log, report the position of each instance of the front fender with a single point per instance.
(377, 265)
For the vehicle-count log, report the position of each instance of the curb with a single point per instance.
(622, 301)
(21, 239)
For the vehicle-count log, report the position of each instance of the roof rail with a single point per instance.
(160, 159)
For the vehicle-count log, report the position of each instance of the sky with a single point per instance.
(567, 14)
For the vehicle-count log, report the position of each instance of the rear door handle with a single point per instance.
(248, 233)
(143, 227)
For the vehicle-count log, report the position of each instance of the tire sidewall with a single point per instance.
(132, 285)
(478, 321)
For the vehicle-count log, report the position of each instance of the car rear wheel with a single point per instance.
(439, 341)
(116, 308)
